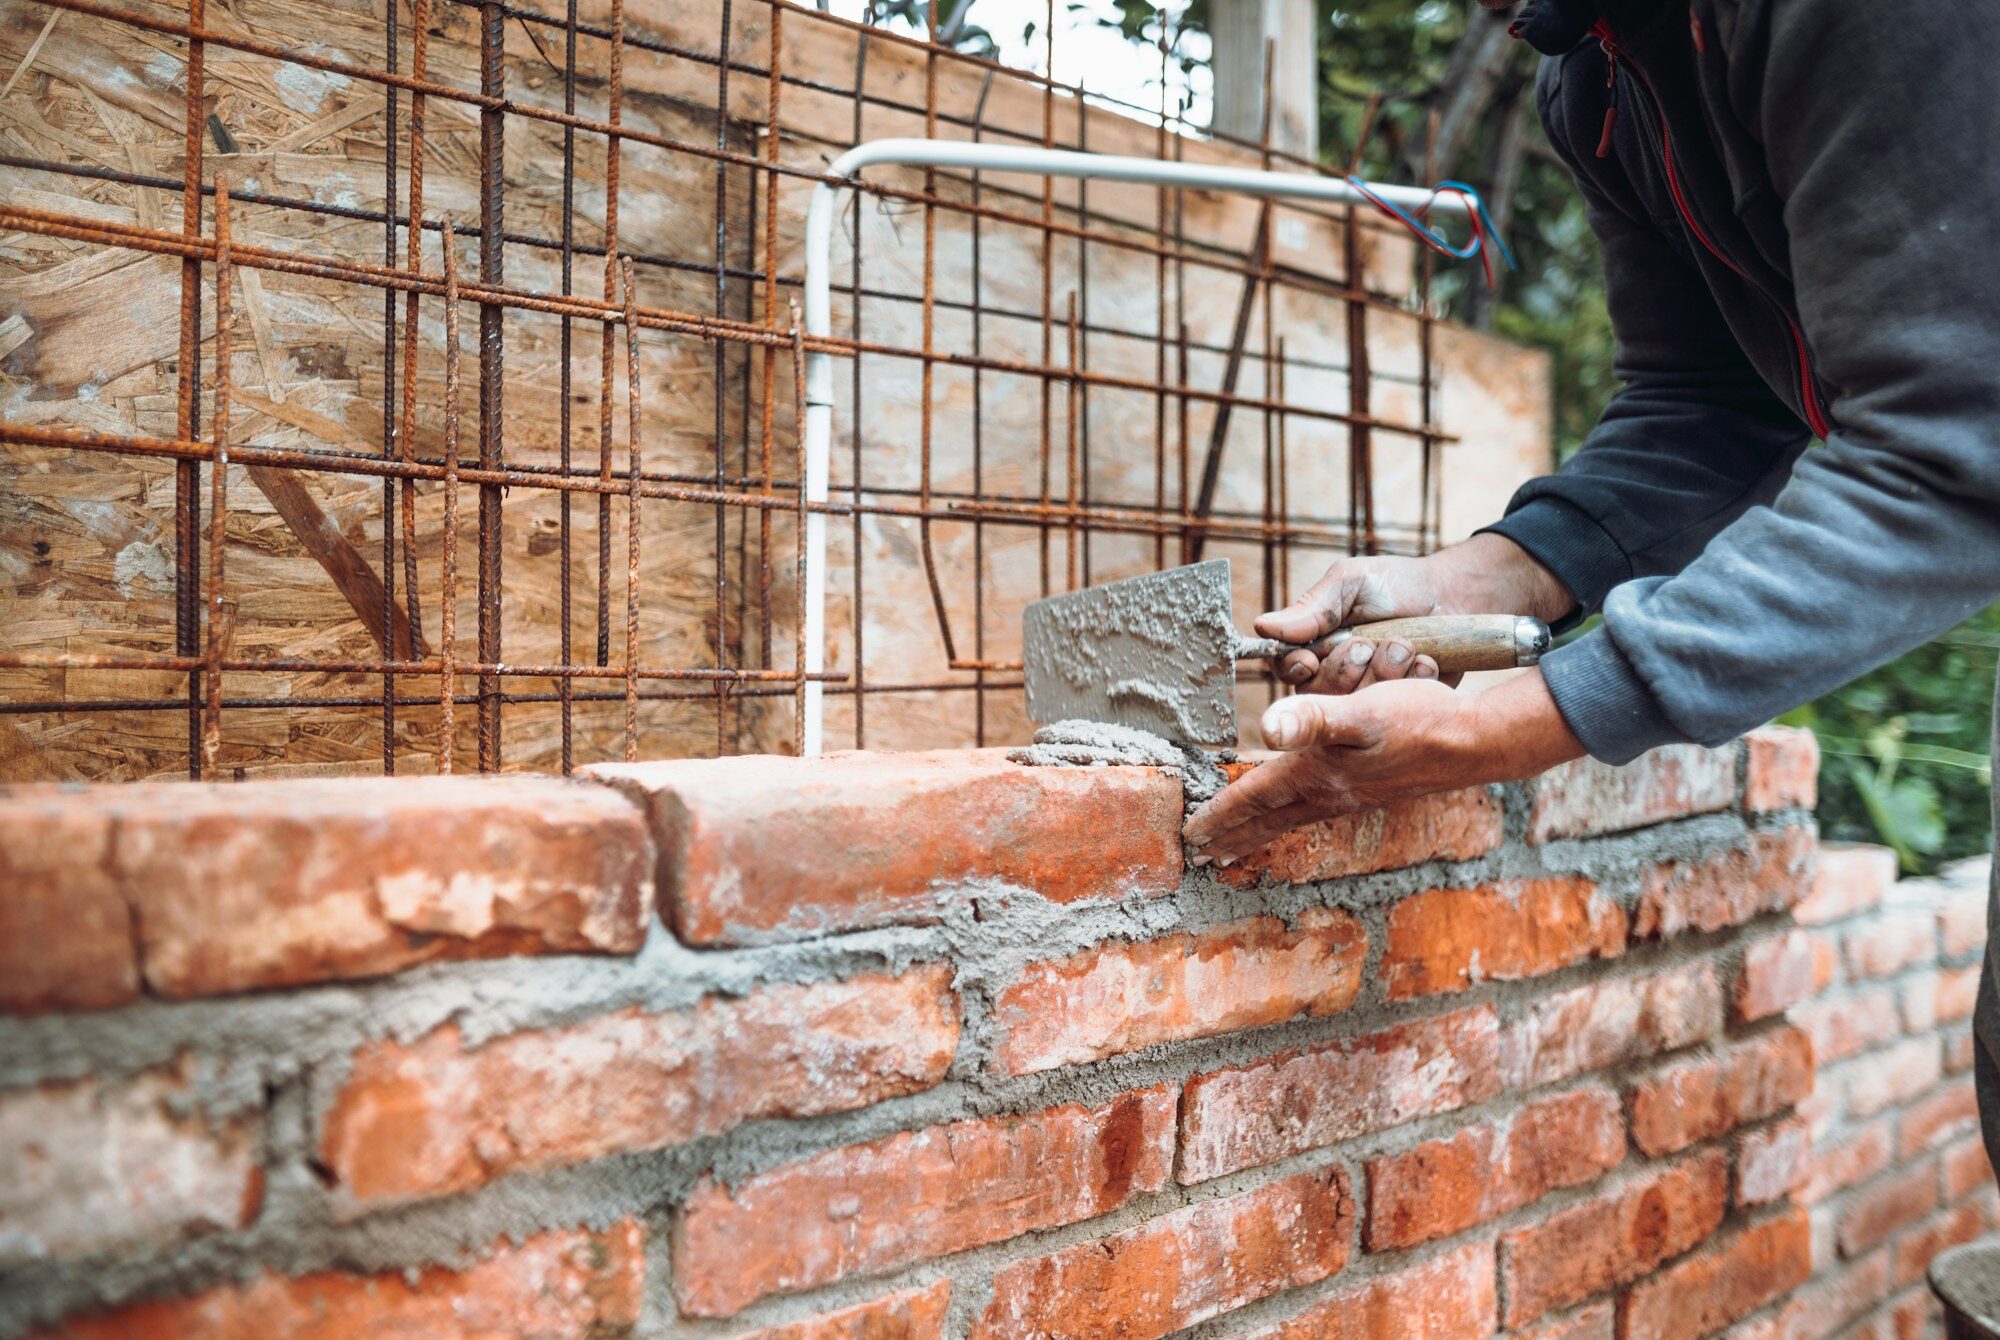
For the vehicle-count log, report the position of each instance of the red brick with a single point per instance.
(874, 1207)
(1892, 941)
(1770, 1161)
(1730, 1279)
(1449, 826)
(1958, 1045)
(1843, 1026)
(1286, 1104)
(93, 1165)
(1612, 1239)
(436, 1116)
(1443, 1186)
(1586, 797)
(1590, 1323)
(1450, 939)
(1699, 1100)
(1919, 996)
(1122, 997)
(912, 1314)
(1822, 1307)
(1778, 972)
(1851, 878)
(1769, 873)
(233, 888)
(1961, 914)
(571, 1282)
(1946, 1112)
(1966, 1169)
(1914, 1250)
(65, 926)
(1837, 1166)
(1957, 989)
(1896, 1201)
(1916, 1315)
(759, 848)
(1891, 1078)
(1609, 1022)
(1781, 769)
(1448, 1297)
(1181, 1268)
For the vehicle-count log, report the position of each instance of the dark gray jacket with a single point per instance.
(1797, 204)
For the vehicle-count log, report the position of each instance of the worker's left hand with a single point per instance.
(1390, 742)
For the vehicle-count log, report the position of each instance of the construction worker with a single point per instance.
(1796, 201)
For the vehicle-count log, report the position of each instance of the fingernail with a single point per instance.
(1361, 652)
(1396, 653)
(1281, 726)
(1202, 841)
(1423, 671)
(1199, 861)
(1226, 862)
(1298, 674)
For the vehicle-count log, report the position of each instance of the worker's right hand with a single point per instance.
(1487, 574)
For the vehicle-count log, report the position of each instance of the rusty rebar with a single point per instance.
(745, 475)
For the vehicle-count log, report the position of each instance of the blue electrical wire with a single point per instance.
(1483, 225)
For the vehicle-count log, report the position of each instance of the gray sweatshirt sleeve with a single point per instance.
(1881, 124)
(1694, 438)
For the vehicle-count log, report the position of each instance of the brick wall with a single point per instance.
(913, 1045)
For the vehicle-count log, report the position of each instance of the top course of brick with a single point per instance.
(178, 890)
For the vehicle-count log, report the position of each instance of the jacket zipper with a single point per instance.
(1816, 415)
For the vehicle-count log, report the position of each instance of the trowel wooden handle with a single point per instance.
(1457, 642)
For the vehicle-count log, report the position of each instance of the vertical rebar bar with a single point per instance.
(632, 443)
(448, 574)
(187, 474)
(614, 115)
(492, 371)
(218, 476)
(391, 56)
(565, 646)
(721, 371)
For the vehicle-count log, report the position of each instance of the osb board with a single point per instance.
(86, 540)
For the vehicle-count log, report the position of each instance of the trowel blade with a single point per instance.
(1156, 652)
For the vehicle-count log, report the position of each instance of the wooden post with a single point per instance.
(1243, 31)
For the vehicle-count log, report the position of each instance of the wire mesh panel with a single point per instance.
(414, 385)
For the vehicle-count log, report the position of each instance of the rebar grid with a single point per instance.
(749, 330)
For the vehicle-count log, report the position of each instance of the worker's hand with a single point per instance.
(1487, 574)
(1343, 754)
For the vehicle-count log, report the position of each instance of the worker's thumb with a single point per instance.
(1307, 719)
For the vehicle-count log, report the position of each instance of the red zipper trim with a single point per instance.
(1816, 416)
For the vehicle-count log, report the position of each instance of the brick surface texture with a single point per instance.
(1182, 1267)
(912, 1197)
(1454, 826)
(743, 841)
(1449, 939)
(565, 1283)
(908, 1047)
(1122, 997)
(437, 1116)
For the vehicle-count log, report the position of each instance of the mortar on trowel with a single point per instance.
(1158, 652)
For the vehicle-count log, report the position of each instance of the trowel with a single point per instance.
(1159, 651)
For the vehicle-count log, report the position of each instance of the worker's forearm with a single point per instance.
(1516, 731)
(1490, 574)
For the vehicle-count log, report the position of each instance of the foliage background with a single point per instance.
(1906, 744)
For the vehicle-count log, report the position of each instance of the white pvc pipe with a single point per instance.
(989, 158)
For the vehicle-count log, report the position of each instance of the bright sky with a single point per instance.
(1087, 52)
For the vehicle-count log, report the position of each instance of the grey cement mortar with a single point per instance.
(290, 1051)
(1096, 744)
(1155, 651)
